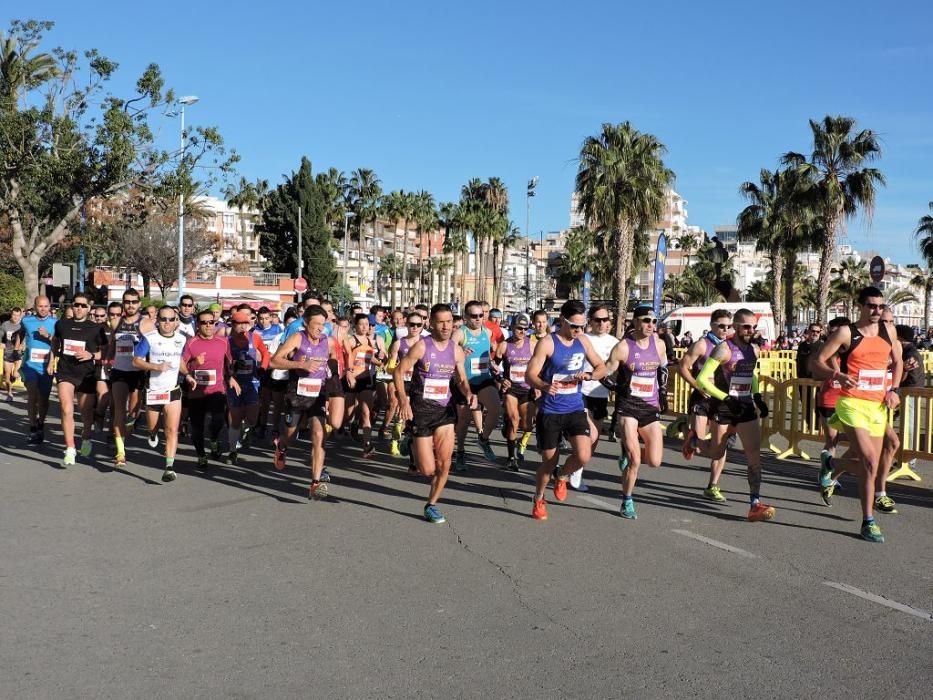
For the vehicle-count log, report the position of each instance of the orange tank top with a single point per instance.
(866, 362)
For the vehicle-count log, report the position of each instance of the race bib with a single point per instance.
(37, 355)
(309, 387)
(364, 358)
(124, 349)
(871, 379)
(517, 373)
(205, 377)
(436, 389)
(243, 366)
(158, 397)
(565, 384)
(279, 374)
(740, 386)
(72, 347)
(479, 365)
(642, 388)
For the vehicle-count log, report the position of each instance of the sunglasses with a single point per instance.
(205, 323)
(187, 303)
(415, 325)
(476, 316)
(875, 307)
(166, 320)
(80, 306)
(131, 301)
(720, 326)
(575, 326)
(746, 326)
(647, 319)
(600, 319)
(521, 328)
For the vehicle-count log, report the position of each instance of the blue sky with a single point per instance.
(430, 94)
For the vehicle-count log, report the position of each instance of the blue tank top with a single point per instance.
(477, 362)
(245, 365)
(558, 370)
(37, 348)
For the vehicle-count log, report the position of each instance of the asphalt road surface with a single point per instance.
(114, 585)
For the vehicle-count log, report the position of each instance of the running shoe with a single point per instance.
(233, 457)
(202, 463)
(885, 504)
(34, 438)
(69, 459)
(512, 465)
(623, 461)
(317, 491)
(712, 493)
(582, 488)
(129, 424)
(627, 510)
(826, 469)
(278, 460)
(560, 488)
(871, 532)
(433, 515)
(275, 438)
(325, 475)
(153, 440)
(486, 447)
(460, 462)
(759, 512)
(404, 445)
(9, 398)
(689, 448)
(85, 449)
(215, 450)
(369, 449)
(119, 462)
(539, 510)
(826, 493)
(169, 475)
(246, 438)
(393, 448)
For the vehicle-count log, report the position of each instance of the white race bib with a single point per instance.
(125, 345)
(479, 365)
(205, 377)
(871, 380)
(740, 386)
(309, 387)
(37, 355)
(158, 397)
(436, 389)
(565, 384)
(642, 388)
(517, 373)
(72, 347)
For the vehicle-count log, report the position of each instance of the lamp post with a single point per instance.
(184, 102)
(346, 229)
(529, 193)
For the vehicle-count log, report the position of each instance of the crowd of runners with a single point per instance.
(413, 383)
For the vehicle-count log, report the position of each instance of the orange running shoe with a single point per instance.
(760, 512)
(539, 510)
(560, 489)
(689, 448)
(279, 459)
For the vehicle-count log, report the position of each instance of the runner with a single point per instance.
(734, 390)
(35, 336)
(556, 370)
(433, 362)
(159, 353)
(596, 394)
(698, 408)
(397, 352)
(114, 313)
(514, 355)
(272, 382)
(310, 358)
(126, 381)
(208, 359)
(9, 332)
(865, 348)
(476, 341)
(641, 361)
(187, 316)
(826, 398)
(250, 358)
(364, 353)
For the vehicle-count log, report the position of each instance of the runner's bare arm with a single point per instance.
(460, 358)
(822, 368)
(596, 362)
(543, 350)
(685, 366)
(280, 360)
(405, 365)
(618, 356)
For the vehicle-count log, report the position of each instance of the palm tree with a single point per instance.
(924, 281)
(426, 220)
(623, 186)
(244, 197)
(364, 195)
(506, 238)
(20, 71)
(759, 222)
(396, 209)
(924, 234)
(844, 185)
(851, 277)
(333, 187)
(899, 295)
(390, 267)
(687, 242)
(456, 242)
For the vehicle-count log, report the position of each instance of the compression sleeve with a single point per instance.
(755, 389)
(705, 380)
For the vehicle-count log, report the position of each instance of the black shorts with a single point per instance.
(10, 355)
(430, 415)
(699, 405)
(644, 417)
(520, 393)
(267, 382)
(457, 397)
(298, 407)
(333, 387)
(551, 426)
(366, 383)
(596, 406)
(722, 415)
(134, 380)
(84, 383)
(826, 411)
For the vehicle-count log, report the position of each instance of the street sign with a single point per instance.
(300, 285)
(876, 268)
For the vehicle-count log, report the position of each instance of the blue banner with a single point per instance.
(587, 281)
(659, 259)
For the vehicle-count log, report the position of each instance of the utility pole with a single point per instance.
(529, 193)
(300, 261)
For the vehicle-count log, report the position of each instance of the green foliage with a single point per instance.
(12, 291)
(340, 294)
(279, 228)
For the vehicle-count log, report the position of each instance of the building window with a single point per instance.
(228, 222)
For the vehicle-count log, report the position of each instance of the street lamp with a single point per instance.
(184, 102)
(346, 228)
(529, 193)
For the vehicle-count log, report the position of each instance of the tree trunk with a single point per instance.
(464, 267)
(622, 250)
(31, 283)
(503, 253)
(777, 285)
(404, 259)
(790, 269)
(147, 282)
(827, 253)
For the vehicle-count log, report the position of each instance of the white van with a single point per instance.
(696, 318)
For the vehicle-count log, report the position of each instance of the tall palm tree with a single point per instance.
(364, 195)
(20, 69)
(851, 276)
(686, 242)
(426, 220)
(396, 210)
(924, 234)
(456, 243)
(844, 184)
(623, 184)
(923, 280)
(472, 207)
(333, 187)
(759, 222)
(507, 236)
(244, 197)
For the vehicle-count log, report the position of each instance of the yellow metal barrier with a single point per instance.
(779, 369)
(18, 384)
(779, 354)
(915, 431)
(680, 352)
(802, 418)
(773, 392)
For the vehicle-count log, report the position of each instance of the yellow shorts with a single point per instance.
(860, 413)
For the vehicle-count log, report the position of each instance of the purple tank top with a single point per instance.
(309, 351)
(735, 376)
(432, 373)
(517, 358)
(643, 364)
(698, 365)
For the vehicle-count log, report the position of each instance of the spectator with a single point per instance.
(913, 362)
(808, 347)
(687, 340)
(664, 333)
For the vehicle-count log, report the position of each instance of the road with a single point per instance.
(115, 585)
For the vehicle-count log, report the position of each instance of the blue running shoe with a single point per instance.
(487, 450)
(826, 469)
(627, 510)
(623, 461)
(433, 515)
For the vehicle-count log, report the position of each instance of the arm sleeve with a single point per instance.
(262, 350)
(755, 389)
(142, 348)
(705, 380)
